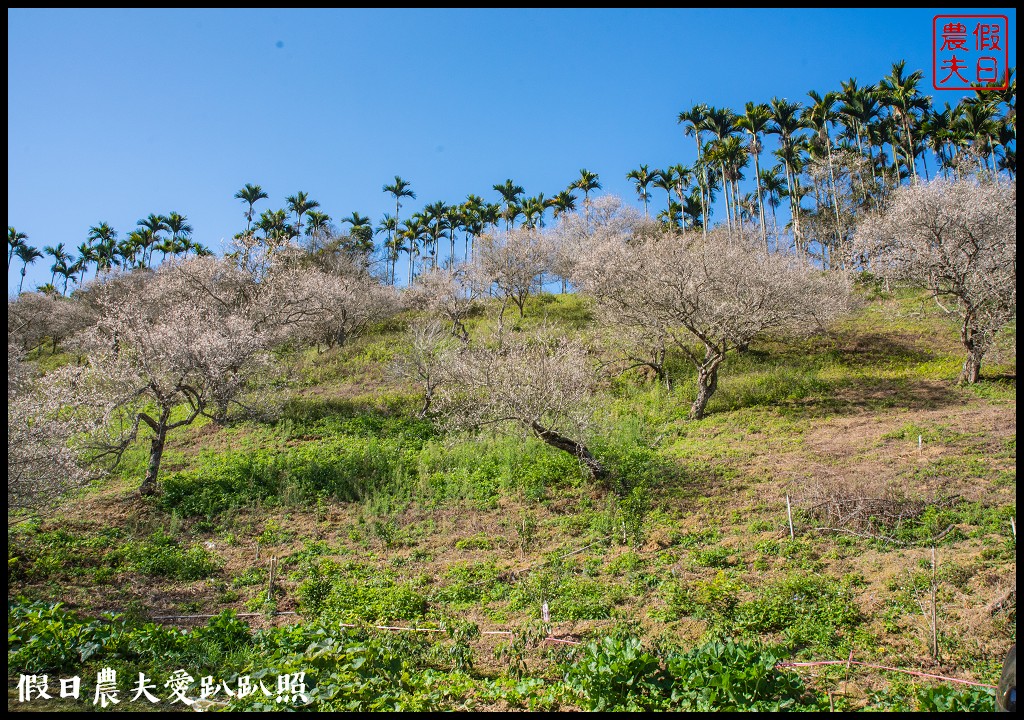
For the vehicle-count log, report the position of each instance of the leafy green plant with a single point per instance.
(733, 676)
(355, 600)
(45, 637)
(226, 631)
(712, 557)
(617, 674)
(459, 635)
(316, 587)
(944, 698)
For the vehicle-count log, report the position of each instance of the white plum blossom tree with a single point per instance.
(162, 353)
(427, 359)
(706, 296)
(449, 293)
(540, 383)
(45, 423)
(958, 240)
(513, 263)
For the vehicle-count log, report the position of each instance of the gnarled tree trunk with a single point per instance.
(707, 383)
(565, 444)
(156, 451)
(972, 365)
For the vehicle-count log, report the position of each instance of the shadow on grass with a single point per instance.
(820, 378)
(391, 416)
(875, 349)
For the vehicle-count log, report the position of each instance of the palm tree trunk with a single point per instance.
(871, 161)
(910, 148)
(760, 200)
(736, 204)
(775, 224)
(700, 185)
(798, 230)
(835, 192)
(728, 208)
(860, 152)
(792, 208)
(896, 161)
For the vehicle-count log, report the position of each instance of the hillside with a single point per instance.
(377, 517)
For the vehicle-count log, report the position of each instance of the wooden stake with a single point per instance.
(1013, 526)
(789, 514)
(270, 585)
(935, 630)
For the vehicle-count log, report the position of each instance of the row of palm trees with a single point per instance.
(891, 126)
(423, 234)
(104, 251)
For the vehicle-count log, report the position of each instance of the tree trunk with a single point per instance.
(428, 397)
(835, 190)
(561, 442)
(707, 383)
(871, 162)
(971, 370)
(972, 365)
(220, 414)
(792, 211)
(156, 453)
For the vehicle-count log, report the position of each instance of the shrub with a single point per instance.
(161, 556)
(705, 599)
(349, 594)
(810, 609)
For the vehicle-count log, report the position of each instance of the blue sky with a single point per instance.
(116, 114)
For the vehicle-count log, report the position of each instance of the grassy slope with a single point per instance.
(477, 527)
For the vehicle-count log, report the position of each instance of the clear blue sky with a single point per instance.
(115, 114)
